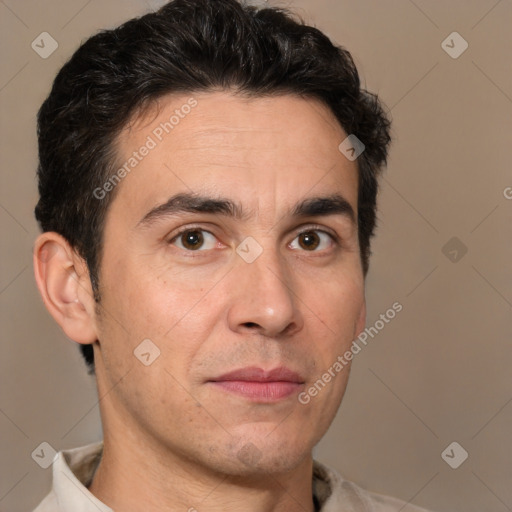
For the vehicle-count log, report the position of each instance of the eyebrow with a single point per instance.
(334, 204)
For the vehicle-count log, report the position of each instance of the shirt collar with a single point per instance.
(72, 474)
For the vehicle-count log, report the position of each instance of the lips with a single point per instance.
(260, 385)
(254, 374)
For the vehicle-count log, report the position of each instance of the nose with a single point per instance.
(263, 300)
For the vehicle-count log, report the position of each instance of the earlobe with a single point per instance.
(63, 281)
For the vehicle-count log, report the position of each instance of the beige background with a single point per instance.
(439, 372)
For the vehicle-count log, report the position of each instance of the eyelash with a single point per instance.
(313, 228)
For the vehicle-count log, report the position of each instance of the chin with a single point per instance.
(273, 464)
(263, 456)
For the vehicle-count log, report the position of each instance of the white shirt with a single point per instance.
(74, 469)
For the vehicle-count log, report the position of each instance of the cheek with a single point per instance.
(176, 312)
(337, 303)
(345, 312)
(169, 314)
(154, 300)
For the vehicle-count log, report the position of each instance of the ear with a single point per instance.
(65, 286)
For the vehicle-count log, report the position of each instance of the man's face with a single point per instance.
(213, 301)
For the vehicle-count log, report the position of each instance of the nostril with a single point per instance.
(250, 324)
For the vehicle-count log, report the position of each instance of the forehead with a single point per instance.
(280, 146)
(219, 120)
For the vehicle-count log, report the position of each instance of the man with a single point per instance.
(208, 178)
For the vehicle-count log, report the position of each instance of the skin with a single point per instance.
(173, 440)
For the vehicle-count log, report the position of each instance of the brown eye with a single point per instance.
(309, 240)
(314, 240)
(194, 240)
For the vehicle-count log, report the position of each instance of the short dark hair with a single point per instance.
(187, 46)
